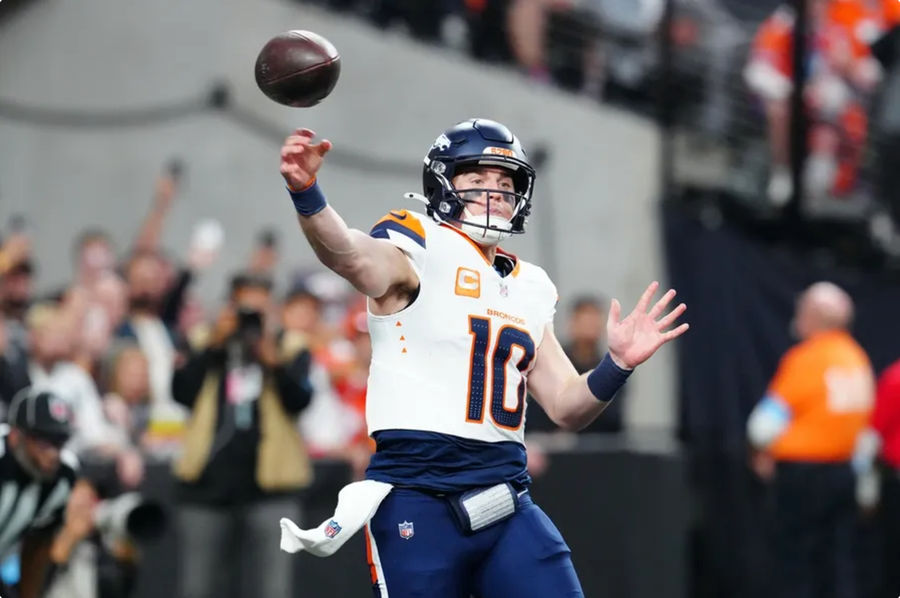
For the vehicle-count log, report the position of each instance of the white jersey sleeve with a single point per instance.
(548, 295)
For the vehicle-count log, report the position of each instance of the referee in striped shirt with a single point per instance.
(36, 477)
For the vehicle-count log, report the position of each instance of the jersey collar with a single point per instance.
(517, 264)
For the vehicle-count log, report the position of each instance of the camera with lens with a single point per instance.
(248, 334)
(250, 325)
(130, 517)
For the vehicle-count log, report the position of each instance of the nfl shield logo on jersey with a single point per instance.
(406, 530)
(332, 529)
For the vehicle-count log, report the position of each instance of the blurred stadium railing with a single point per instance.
(718, 147)
(682, 63)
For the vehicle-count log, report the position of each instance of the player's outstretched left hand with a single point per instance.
(634, 339)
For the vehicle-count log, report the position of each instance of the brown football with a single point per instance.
(298, 68)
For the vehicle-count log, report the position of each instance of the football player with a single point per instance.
(458, 327)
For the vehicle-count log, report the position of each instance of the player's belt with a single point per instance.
(479, 509)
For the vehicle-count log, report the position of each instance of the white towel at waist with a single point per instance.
(357, 503)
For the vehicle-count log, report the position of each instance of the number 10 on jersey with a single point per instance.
(487, 372)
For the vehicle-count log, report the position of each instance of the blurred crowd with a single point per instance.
(604, 49)
(847, 63)
(721, 72)
(238, 400)
(152, 376)
(110, 341)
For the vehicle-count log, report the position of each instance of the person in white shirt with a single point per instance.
(50, 368)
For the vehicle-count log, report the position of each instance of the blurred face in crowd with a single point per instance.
(52, 339)
(16, 291)
(265, 254)
(252, 298)
(104, 312)
(111, 294)
(38, 456)
(146, 282)
(587, 324)
(131, 379)
(95, 258)
(302, 313)
(823, 306)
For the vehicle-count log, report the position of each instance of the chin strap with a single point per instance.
(475, 227)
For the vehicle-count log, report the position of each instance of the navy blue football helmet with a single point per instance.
(470, 144)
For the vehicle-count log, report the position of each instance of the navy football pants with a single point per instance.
(522, 557)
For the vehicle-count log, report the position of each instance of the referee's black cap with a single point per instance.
(41, 413)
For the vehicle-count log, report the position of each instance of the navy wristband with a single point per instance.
(309, 201)
(606, 379)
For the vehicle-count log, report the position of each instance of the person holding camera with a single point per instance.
(243, 460)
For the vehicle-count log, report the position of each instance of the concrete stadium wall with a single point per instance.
(595, 219)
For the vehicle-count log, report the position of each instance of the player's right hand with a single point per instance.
(301, 158)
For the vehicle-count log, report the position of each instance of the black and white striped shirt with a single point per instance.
(26, 503)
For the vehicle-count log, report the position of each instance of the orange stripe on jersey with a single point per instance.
(406, 219)
(828, 385)
(471, 242)
(373, 572)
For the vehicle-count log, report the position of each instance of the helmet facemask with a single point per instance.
(453, 204)
(487, 228)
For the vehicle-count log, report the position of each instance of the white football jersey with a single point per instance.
(456, 360)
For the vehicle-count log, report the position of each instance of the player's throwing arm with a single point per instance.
(377, 269)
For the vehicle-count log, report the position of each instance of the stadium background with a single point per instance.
(663, 178)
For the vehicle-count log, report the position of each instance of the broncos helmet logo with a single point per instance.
(441, 143)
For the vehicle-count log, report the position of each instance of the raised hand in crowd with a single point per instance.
(15, 249)
(164, 194)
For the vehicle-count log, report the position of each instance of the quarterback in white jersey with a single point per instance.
(459, 328)
(468, 340)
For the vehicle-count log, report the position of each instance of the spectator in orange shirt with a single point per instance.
(816, 406)
(840, 75)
